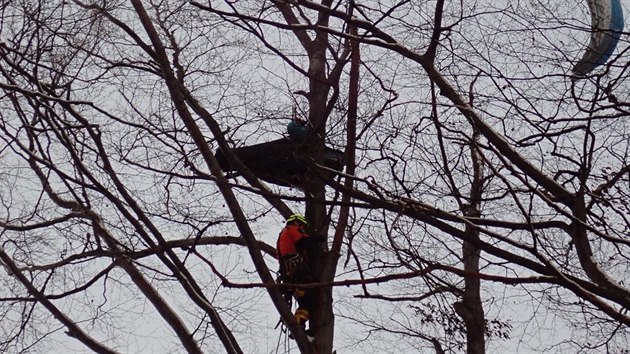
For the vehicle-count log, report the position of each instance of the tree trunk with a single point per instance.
(470, 308)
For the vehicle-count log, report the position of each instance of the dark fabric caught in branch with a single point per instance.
(283, 162)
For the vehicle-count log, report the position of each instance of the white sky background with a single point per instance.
(264, 92)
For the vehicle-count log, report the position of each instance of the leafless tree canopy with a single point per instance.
(484, 205)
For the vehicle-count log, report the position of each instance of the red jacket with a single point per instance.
(288, 240)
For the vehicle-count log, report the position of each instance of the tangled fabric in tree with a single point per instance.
(283, 162)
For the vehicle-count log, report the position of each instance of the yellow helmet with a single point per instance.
(298, 217)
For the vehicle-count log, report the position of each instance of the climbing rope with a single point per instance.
(283, 338)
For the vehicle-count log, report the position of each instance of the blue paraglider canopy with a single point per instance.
(606, 26)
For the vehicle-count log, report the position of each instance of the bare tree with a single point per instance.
(481, 182)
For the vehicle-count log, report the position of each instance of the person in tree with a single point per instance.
(298, 130)
(294, 251)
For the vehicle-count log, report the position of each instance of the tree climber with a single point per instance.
(294, 247)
